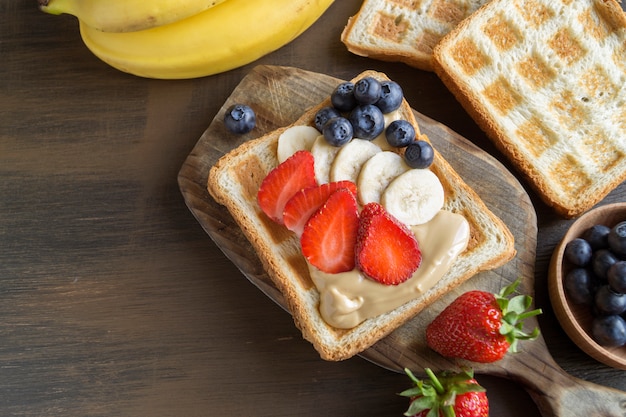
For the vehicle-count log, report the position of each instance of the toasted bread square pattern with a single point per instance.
(406, 30)
(550, 74)
(390, 27)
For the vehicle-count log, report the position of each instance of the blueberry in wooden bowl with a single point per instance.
(587, 283)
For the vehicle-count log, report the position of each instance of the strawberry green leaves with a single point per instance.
(447, 394)
(514, 312)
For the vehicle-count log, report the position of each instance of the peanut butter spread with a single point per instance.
(349, 298)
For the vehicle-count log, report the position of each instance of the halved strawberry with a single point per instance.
(305, 202)
(386, 249)
(281, 183)
(329, 237)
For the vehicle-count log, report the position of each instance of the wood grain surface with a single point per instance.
(280, 95)
(113, 299)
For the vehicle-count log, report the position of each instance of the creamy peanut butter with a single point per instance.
(348, 298)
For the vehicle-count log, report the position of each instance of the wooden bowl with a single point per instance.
(576, 319)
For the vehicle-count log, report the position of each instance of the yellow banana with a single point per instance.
(127, 15)
(224, 37)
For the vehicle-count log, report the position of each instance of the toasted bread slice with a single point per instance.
(404, 30)
(234, 181)
(545, 80)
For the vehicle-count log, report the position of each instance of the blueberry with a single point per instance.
(578, 251)
(367, 90)
(240, 118)
(609, 331)
(338, 131)
(597, 236)
(342, 97)
(578, 284)
(324, 115)
(609, 302)
(367, 120)
(601, 261)
(400, 133)
(616, 276)
(391, 95)
(419, 154)
(617, 239)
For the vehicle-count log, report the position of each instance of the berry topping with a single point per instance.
(338, 131)
(324, 115)
(367, 121)
(386, 250)
(342, 98)
(240, 118)
(283, 182)
(400, 133)
(391, 96)
(367, 90)
(419, 154)
(329, 237)
(306, 202)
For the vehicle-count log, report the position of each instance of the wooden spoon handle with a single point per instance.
(578, 398)
(558, 394)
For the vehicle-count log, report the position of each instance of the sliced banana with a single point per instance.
(350, 158)
(414, 197)
(323, 154)
(295, 138)
(376, 174)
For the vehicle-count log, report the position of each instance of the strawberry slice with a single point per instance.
(305, 202)
(329, 237)
(281, 183)
(386, 250)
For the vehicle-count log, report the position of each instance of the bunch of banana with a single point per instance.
(176, 39)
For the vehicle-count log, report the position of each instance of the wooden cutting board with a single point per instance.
(279, 96)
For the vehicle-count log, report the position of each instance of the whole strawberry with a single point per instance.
(480, 326)
(446, 395)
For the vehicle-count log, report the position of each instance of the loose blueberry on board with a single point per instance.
(578, 252)
(338, 131)
(400, 133)
(367, 121)
(324, 115)
(342, 97)
(367, 90)
(239, 118)
(391, 96)
(609, 331)
(419, 154)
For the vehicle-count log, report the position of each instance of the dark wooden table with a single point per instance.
(113, 300)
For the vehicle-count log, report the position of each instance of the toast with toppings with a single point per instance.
(234, 182)
(545, 80)
(404, 30)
